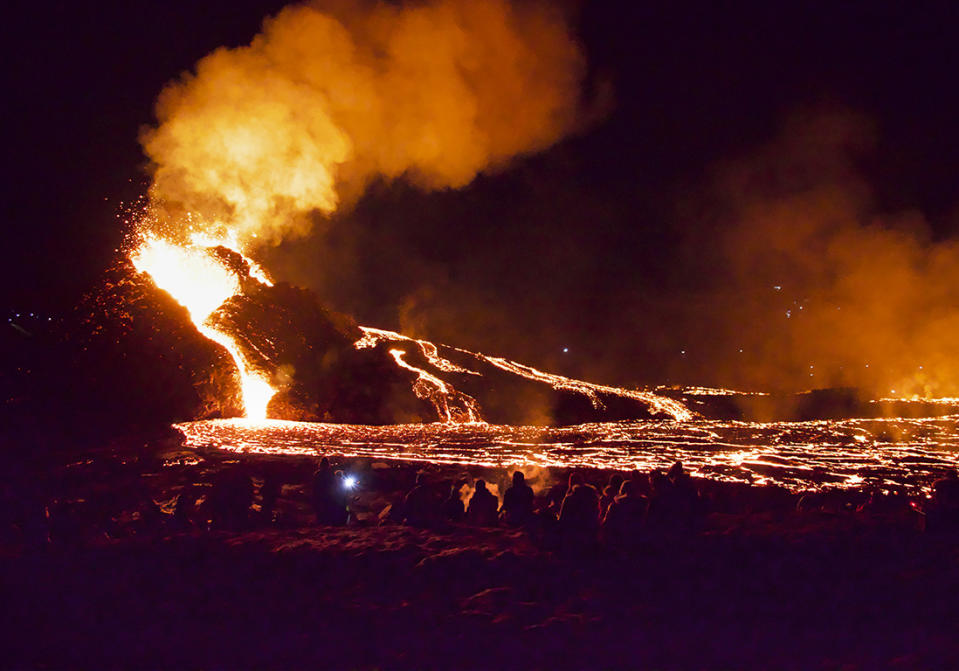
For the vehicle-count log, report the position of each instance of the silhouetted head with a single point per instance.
(658, 482)
(324, 464)
(481, 485)
(676, 470)
(519, 478)
(575, 478)
(952, 475)
(615, 481)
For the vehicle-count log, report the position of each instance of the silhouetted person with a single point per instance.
(420, 506)
(230, 498)
(942, 512)
(680, 479)
(327, 495)
(184, 509)
(482, 507)
(945, 490)
(625, 517)
(661, 507)
(518, 501)
(554, 499)
(575, 478)
(892, 509)
(452, 508)
(269, 493)
(687, 505)
(344, 495)
(579, 518)
(610, 492)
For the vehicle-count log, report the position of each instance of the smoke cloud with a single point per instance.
(810, 284)
(326, 99)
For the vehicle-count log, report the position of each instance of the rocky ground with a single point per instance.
(105, 578)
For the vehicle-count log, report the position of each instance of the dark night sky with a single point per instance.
(562, 250)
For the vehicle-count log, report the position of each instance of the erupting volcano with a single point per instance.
(261, 139)
(533, 334)
(211, 277)
(263, 142)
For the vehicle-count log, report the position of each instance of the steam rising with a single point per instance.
(321, 102)
(817, 284)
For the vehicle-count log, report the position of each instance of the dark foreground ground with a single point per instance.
(763, 586)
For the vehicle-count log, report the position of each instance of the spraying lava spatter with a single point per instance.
(199, 280)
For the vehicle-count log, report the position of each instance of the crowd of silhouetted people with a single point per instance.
(570, 515)
(573, 514)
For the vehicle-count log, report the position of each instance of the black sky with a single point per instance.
(565, 249)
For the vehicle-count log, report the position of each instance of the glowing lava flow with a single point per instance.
(659, 404)
(201, 283)
(371, 337)
(896, 453)
(451, 405)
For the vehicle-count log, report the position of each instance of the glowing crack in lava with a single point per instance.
(199, 281)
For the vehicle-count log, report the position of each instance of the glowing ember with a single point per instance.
(200, 282)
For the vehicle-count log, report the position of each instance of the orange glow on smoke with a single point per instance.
(323, 101)
(201, 283)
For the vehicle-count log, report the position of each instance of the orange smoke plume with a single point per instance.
(819, 285)
(322, 101)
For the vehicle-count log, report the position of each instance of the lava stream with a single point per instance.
(201, 283)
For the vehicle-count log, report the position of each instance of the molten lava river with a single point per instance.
(888, 453)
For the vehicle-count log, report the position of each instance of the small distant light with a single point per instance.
(892, 391)
(777, 287)
(740, 350)
(682, 351)
(867, 365)
(349, 482)
(565, 350)
(789, 314)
